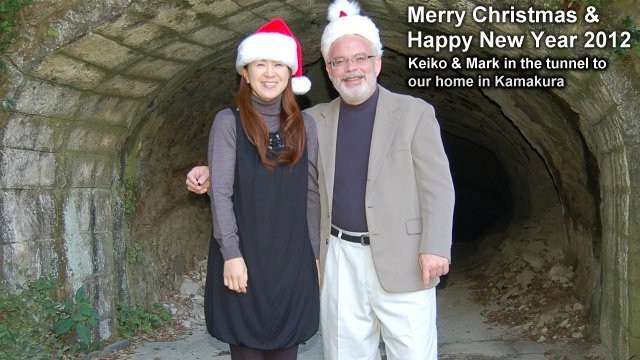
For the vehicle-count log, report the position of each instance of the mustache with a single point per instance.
(355, 74)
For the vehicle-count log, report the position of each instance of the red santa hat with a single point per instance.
(275, 41)
(345, 19)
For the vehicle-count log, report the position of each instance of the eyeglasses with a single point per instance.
(341, 62)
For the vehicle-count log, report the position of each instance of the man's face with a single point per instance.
(353, 68)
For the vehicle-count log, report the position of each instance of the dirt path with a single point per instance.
(463, 333)
(514, 302)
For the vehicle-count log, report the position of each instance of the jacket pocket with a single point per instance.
(397, 148)
(414, 226)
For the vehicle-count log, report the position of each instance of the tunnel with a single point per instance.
(111, 114)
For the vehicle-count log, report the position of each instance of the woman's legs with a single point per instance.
(246, 353)
(283, 354)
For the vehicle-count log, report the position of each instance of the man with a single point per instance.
(383, 163)
(386, 201)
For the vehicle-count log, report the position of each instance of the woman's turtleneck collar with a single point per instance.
(267, 107)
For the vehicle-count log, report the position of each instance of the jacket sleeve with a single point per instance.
(434, 184)
(313, 196)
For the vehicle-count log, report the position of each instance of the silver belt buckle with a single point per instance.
(362, 240)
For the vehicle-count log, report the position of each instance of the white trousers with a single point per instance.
(355, 311)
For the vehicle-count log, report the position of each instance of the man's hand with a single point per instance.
(235, 275)
(198, 179)
(432, 266)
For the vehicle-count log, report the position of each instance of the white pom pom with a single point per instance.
(345, 6)
(300, 85)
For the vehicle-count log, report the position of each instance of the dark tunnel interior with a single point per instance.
(483, 198)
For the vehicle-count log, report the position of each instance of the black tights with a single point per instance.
(246, 353)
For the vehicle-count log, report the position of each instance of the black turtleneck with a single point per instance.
(355, 126)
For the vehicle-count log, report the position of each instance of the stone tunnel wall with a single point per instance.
(111, 113)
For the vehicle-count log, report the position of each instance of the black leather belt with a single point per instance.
(362, 240)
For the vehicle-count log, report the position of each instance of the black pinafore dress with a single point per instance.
(281, 306)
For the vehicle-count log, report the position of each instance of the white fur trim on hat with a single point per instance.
(345, 19)
(268, 46)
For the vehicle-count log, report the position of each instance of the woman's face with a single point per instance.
(267, 78)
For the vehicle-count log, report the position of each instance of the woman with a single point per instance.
(262, 294)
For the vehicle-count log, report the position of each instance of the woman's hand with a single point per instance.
(198, 179)
(235, 275)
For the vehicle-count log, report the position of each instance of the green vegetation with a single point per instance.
(53, 32)
(136, 319)
(35, 324)
(618, 26)
(9, 22)
(134, 255)
(7, 103)
(77, 316)
(129, 198)
(630, 24)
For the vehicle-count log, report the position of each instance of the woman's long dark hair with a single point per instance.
(291, 127)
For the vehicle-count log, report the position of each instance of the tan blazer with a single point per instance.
(409, 197)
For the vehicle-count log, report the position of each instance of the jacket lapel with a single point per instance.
(384, 128)
(327, 138)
